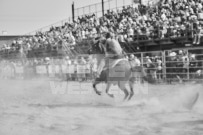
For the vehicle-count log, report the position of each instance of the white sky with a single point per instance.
(23, 16)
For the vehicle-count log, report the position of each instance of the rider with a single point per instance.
(113, 51)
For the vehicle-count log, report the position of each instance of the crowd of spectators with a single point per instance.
(176, 64)
(171, 18)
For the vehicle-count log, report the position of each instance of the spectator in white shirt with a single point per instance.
(130, 32)
(198, 35)
(71, 39)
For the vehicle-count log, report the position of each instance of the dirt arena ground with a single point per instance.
(33, 108)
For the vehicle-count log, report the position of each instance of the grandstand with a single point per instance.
(168, 25)
(145, 28)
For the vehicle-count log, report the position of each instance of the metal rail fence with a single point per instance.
(161, 66)
(97, 8)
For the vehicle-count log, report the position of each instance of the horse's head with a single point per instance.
(97, 47)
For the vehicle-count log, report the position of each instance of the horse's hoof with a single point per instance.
(125, 98)
(98, 93)
(131, 95)
(129, 98)
(111, 95)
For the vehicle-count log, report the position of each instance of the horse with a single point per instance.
(120, 74)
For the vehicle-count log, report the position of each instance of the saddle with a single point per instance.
(111, 63)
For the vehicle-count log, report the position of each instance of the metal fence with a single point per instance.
(161, 66)
(47, 28)
(97, 8)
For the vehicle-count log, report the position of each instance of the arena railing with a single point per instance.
(97, 8)
(39, 67)
(186, 69)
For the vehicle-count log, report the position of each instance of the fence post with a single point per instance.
(89, 9)
(102, 7)
(142, 61)
(109, 4)
(164, 64)
(116, 5)
(188, 64)
(96, 10)
(192, 31)
(78, 13)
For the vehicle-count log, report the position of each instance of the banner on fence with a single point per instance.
(88, 68)
(71, 69)
(19, 69)
(57, 69)
(51, 69)
(81, 69)
(8, 71)
(41, 69)
(64, 69)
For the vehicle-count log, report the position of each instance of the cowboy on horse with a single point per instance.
(113, 52)
(113, 67)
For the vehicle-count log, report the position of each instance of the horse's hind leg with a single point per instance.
(107, 90)
(123, 88)
(95, 88)
(131, 90)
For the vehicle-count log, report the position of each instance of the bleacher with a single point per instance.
(145, 28)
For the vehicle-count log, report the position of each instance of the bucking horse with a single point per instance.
(119, 72)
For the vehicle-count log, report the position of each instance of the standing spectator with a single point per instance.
(193, 64)
(82, 63)
(185, 65)
(68, 63)
(159, 67)
(198, 35)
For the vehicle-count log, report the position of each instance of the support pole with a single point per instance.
(116, 5)
(73, 12)
(102, 7)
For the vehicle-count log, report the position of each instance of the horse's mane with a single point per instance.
(97, 48)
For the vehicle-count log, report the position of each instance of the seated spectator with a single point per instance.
(134, 61)
(121, 38)
(174, 18)
(130, 32)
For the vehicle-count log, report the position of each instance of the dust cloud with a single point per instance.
(30, 107)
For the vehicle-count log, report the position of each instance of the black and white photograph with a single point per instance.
(101, 67)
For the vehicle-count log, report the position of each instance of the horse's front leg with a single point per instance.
(95, 88)
(108, 88)
(131, 90)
